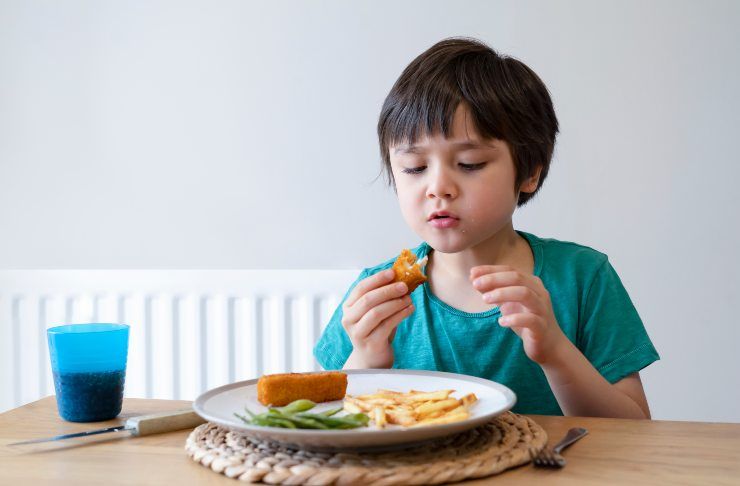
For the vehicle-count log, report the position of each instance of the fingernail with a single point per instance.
(488, 298)
(400, 286)
(389, 273)
(503, 320)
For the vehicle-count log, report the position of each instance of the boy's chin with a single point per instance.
(448, 246)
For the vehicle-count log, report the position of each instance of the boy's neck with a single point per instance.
(506, 247)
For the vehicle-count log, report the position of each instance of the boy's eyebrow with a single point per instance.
(406, 149)
(473, 145)
(414, 149)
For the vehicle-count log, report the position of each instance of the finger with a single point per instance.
(476, 272)
(511, 308)
(522, 320)
(373, 298)
(507, 278)
(534, 281)
(375, 316)
(387, 329)
(522, 295)
(367, 284)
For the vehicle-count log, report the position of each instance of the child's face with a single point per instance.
(456, 192)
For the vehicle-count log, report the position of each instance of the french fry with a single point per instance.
(379, 394)
(400, 416)
(445, 419)
(469, 399)
(458, 410)
(377, 401)
(436, 414)
(351, 407)
(379, 417)
(364, 407)
(424, 397)
(433, 406)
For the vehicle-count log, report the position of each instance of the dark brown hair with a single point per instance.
(506, 99)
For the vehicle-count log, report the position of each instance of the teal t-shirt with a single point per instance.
(590, 303)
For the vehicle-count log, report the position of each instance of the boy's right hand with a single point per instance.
(371, 313)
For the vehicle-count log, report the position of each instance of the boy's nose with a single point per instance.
(441, 186)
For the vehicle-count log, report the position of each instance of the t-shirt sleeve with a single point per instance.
(334, 346)
(613, 337)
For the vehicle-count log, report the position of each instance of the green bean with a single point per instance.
(343, 425)
(357, 417)
(280, 422)
(297, 406)
(336, 422)
(272, 421)
(329, 413)
(260, 420)
(242, 418)
(360, 417)
(300, 422)
(274, 412)
(307, 422)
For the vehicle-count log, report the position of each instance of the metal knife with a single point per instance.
(138, 426)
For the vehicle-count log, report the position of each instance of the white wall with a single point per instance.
(223, 134)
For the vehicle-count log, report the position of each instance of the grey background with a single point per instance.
(242, 135)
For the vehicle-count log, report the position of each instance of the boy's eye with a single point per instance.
(472, 167)
(414, 170)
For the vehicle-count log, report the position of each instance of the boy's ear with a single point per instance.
(530, 183)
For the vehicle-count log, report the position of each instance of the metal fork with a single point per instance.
(551, 457)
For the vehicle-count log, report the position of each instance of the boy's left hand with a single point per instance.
(525, 308)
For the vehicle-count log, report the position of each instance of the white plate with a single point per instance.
(218, 406)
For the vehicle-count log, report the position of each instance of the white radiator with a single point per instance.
(191, 330)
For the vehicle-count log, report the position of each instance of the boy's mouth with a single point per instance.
(441, 215)
(443, 220)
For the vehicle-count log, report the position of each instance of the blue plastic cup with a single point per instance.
(89, 366)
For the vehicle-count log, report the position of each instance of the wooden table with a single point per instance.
(615, 452)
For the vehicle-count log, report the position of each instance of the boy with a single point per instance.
(466, 136)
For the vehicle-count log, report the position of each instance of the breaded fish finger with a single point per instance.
(408, 270)
(281, 389)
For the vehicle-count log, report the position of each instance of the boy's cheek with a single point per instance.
(410, 210)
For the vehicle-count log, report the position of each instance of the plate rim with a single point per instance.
(205, 396)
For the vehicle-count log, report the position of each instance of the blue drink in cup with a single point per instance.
(89, 366)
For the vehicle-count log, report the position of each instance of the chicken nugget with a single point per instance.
(281, 389)
(408, 270)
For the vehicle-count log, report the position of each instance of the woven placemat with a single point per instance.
(489, 449)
